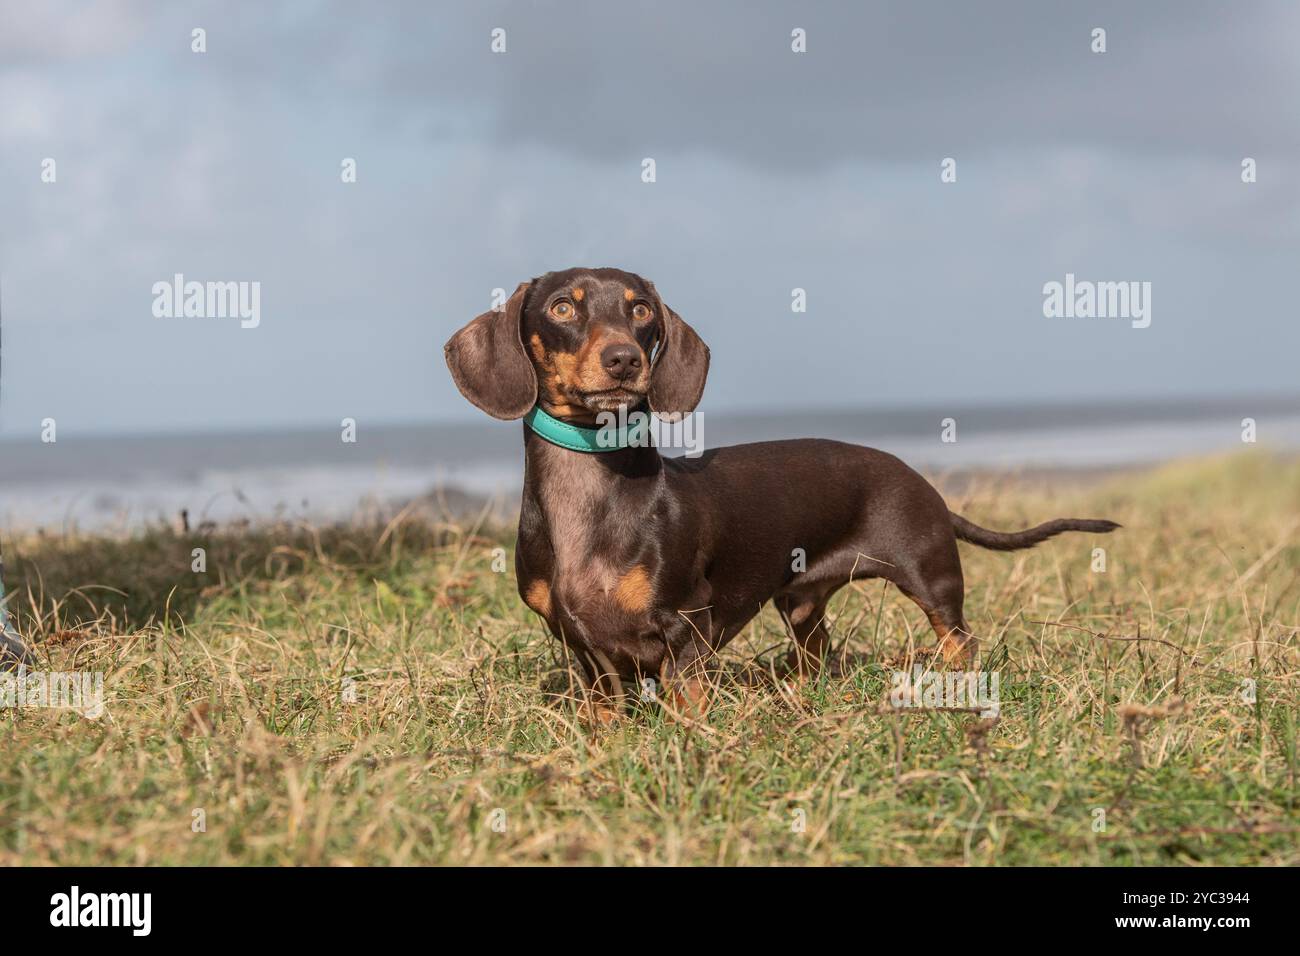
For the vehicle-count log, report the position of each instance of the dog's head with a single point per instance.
(580, 342)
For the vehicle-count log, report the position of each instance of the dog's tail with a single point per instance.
(1015, 540)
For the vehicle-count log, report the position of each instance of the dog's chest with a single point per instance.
(595, 570)
(593, 542)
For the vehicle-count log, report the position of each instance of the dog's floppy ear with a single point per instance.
(488, 362)
(680, 366)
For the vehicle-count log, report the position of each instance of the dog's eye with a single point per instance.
(563, 310)
(641, 312)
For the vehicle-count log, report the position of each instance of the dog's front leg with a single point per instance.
(604, 696)
(686, 668)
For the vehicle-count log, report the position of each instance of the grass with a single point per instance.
(380, 695)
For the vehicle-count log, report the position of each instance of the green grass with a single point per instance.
(226, 694)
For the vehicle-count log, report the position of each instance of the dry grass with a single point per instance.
(227, 694)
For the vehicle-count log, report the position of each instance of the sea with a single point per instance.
(124, 481)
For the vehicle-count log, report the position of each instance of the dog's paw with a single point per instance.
(597, 714)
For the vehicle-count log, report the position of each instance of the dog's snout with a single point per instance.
(621, 360)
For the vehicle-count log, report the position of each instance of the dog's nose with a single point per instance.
(621, 360)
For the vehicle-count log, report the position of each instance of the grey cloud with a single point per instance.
(880, 81)
(775, 171)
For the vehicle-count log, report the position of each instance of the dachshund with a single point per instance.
(646, 566)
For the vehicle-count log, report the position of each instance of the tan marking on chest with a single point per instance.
(634, 590)
(538, 597)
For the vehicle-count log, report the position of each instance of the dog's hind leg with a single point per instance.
(932, 578)
(956, 642)
(942, 602)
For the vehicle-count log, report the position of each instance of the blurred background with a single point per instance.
(774, 171)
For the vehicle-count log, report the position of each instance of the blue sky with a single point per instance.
(775, 170)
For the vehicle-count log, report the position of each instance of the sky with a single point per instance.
(774, 170)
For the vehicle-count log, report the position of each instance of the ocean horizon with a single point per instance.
(125, 481)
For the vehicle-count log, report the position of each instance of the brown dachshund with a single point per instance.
(646, 566)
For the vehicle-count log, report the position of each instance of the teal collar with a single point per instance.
(631, 431)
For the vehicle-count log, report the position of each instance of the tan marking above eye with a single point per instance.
(629, 294)
(563, 310)
(578, 294)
